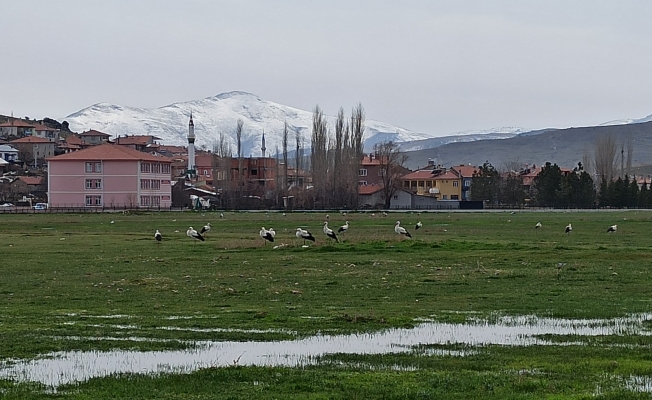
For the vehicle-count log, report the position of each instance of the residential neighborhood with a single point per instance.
(94, 170)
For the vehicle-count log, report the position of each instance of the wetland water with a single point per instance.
(59, 368)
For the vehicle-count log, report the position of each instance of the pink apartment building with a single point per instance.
(109, 176)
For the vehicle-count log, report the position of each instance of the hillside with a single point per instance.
(562, 146)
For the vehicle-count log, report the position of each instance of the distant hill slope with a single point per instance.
(562, 146)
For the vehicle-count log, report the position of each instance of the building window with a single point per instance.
(456, 183)
(455, 197)
(362, 183)
(144, 200)
(145, 167)
(381, 172)
(156, 168)
(89, 167)
(395, 197)
(155, 201)
(98, 167)
(254, 172)
(445, 197)
(144, 183)
(165, 168)
(362, 172)
(155, 184)
(467, 182)
(93, 184)
(93, 201)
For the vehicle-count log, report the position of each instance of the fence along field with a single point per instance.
(101, 283)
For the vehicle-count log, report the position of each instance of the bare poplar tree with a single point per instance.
(339, 183)
(630, 156)
(221, 164)
(298, 155)
(605, 157)
(319, 155)
(392, 161)
(284, 182)
(238, 135)
(355, 150)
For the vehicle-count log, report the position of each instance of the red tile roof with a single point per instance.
(31, 139)
(17, 123)
(369, 189)
(109, 152)
(466, 171)
(447, 175)
(31, 180)
(72, 139)
(93, 132)
(420, 174)
(141, 140)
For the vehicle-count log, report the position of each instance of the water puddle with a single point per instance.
(59, 368)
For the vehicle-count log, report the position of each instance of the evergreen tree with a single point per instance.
(633, 194)
(585, 192)
(643, 196)
(548, 185)
(485, 184)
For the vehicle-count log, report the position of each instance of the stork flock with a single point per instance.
(268, 235)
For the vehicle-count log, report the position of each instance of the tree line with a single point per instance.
(327, 178)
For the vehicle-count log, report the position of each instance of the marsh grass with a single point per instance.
(68, 275)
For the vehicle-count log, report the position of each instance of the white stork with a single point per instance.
(400, 230)
(344, 227)
(265, 234)
(612, 228)
(272, 232)
(206, 228)
(158, 236)
(221, 215)
(418, 225)
(569, 228)
(194, 234)
(329, 232)
(538, 225)
(305, 235)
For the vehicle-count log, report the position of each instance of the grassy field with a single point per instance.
(69, 279)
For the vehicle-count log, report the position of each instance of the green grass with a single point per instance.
(61, 271)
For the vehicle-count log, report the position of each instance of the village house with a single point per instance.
(465, 172)
(46, 132)
(8, 153)
(15, 128)
(109, 176)
(33, 149)
(93, 137)
(139, 142)
(26, 185)
(438, 182)
(370, 170)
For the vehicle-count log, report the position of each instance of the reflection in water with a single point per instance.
(73, 366)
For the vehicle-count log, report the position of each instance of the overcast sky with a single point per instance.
(432, 66)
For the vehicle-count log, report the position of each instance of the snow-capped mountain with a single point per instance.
(464, 136)
(628, 121)
(219, 114)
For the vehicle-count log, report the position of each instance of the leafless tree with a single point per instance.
(319, 155)
(238, 135)
(284, 181)
(221, 164)
(392, 161)
(605, 157)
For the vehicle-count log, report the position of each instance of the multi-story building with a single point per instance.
(109, 176)
(33, 149)
(437, 182)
